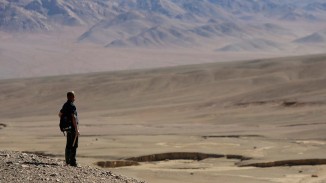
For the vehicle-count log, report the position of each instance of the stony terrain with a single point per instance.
(23, 167)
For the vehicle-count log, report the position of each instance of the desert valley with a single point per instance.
(229, 116)
(170, 91)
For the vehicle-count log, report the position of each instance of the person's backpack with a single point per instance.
(65, 123)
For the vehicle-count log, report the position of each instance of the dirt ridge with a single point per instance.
(24, 167)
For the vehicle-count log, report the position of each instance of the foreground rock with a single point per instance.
(23, 167)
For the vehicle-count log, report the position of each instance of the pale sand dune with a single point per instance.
(268, 110)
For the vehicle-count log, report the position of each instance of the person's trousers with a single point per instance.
(70, 154)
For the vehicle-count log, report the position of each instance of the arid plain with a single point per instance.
(232, 116)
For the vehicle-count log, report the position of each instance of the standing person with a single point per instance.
(70, 112)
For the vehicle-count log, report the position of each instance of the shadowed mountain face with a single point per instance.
(318, 37)
(39, 15)
(147, 23)
(253, 45)
(192, 23)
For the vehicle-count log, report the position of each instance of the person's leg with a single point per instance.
(68, 151)
(73, 150)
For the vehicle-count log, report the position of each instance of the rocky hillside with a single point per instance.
(40, 15)
(148, 23)
(23, 167)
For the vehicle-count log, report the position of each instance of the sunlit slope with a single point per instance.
(193, 88)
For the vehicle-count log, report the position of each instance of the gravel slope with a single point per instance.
(23, 167)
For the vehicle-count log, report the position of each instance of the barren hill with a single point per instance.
(317, 38)
(196, 87)
(253, 45)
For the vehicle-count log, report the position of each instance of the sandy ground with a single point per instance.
(268, 110)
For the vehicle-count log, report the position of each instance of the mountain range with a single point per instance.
(161, 23)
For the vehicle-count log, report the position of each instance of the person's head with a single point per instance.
(71, 96)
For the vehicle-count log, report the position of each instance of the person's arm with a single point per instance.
(60, 114)
(74, 123)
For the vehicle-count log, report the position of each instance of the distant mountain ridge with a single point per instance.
(38, 15)
(253, 45)
(317, 37)
(148, 23)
